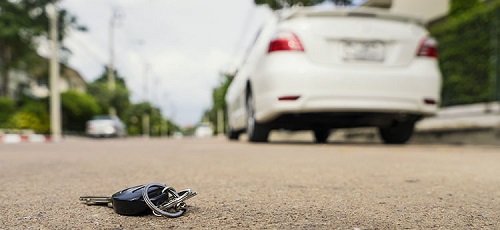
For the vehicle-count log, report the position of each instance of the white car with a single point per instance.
(204, 130)
(106, 126)
(313, 69)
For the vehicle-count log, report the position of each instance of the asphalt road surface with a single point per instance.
(281, 185)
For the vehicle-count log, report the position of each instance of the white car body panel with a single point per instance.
(343, 90)
(325, 81)
(101, 127)
(204, 131)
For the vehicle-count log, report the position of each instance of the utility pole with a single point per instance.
(145, 75)
(55, 96)
(220, 122)
(145, 125)
(111, 65)
(146, 115)
(166, 127)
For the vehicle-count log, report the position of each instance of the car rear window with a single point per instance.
(102, 118)
(356, 12)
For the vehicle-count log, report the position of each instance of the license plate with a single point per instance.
(363, 51)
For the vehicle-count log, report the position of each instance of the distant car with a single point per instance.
(106, 126)
(178, 135)
(204, 130)
(316, 69)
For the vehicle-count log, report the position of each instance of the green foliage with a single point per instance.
(77, 109)
(118, 98)
(131, 114)
(7, 109)
(26, 120)
(158, 125)
(459, 7)
(34, 115)
(277, 4)
(465, 50)
(218, 103)
(103, 78)
(189, 131)
(21, 23)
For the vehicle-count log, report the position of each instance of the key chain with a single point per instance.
(174, 207)
(137, 200)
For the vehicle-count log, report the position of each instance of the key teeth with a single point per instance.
(87, 201)
(95, 200)
(193, 194)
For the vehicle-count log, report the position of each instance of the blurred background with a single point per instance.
(162, 67)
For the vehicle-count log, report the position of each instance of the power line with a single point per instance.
(89, 50)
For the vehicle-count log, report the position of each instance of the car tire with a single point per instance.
(256, 132)
(321, 135)
(398, 133)
(232, 135)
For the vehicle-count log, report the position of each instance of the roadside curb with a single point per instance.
(475, 124)
(24, 138)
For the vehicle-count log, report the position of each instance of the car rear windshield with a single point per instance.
(356, 12)
(103, 117)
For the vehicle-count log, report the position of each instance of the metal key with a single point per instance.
(129, 201)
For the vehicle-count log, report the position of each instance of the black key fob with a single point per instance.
(130, 201)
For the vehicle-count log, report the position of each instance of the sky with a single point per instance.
(170, 52)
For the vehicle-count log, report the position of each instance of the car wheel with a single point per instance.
(232, 135)
(321, 135)
(256, 132)
(398, 133)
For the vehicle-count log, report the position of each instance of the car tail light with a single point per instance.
(427, 48)
(285, 41)
(430, 101)
(288, 98)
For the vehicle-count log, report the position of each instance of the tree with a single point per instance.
(7, 109)
(459, 7)
(77, 109)
(466, 47)
(22, 22)
(158, 125)
(118, 98)
(131, 114)
(32, 114)
(278, 4)
(218, 102)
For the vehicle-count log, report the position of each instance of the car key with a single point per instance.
(129, 201)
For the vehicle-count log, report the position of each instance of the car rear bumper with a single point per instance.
(332, 120)
(413, 89)
(101, 131)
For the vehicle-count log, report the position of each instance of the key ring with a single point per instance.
(176, 203)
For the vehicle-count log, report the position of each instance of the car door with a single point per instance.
(237, 92)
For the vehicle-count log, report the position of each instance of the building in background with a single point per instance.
(35, 81)
(70, 80)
